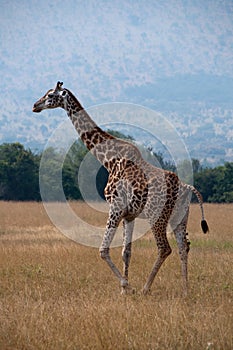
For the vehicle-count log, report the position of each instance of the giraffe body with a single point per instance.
(134, 187)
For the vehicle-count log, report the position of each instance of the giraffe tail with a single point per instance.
(204, 224)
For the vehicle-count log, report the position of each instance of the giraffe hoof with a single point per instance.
(124, 283)
(145, 291)
(127, 290)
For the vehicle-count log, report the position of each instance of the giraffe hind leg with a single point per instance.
(183, 245)
(126, 251)
(164, 250)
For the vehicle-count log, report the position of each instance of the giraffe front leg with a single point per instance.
(104, 253)
(111, 228)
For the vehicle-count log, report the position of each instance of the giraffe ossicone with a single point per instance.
(134, 187)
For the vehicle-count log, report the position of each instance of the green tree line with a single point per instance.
(20, 167)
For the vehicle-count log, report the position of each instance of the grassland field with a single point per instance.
(57, 294)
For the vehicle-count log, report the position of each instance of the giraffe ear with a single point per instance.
(63, 93)
(59, 85)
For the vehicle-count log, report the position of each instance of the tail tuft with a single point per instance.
(204, 226)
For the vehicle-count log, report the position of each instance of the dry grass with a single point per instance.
(56, 294)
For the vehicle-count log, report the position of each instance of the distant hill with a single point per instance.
(174, 57)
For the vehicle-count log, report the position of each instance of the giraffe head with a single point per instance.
(53, 98)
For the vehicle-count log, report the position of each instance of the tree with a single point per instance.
(18, 173)
(70, 170)
(216, 185)
(223, 189)
(205, 181)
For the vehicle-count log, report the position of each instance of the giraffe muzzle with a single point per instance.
(37, 108)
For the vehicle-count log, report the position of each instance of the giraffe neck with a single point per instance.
(91, 135)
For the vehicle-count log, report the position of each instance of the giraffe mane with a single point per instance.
(74, 98)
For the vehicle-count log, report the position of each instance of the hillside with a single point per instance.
(174, 57)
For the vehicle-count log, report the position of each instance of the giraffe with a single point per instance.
(134, 188)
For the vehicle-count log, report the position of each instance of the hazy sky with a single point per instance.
(105, 50)
(111, 44)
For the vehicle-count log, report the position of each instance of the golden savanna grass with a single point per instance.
(57, 294)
